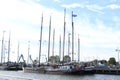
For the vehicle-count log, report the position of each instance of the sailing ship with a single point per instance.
(7, 65)
(36, 68)
(64, 68)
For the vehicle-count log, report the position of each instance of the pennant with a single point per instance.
(74, 15)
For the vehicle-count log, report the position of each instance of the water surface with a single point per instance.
(20, 75)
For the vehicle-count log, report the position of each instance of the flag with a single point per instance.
(74, 15)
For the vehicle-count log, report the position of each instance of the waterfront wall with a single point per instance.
(116, 72)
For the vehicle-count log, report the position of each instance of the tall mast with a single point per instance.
(9, 48)
(64, 33)
(73, 15)
(78, 49)
(40, 38)
(53, 42)
(72, 38)
(18, 52)
(60, 48)
(2, 47)
(28, 52)
(49, 39)
(68, 44)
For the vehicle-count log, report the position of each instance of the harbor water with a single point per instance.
(20, 75)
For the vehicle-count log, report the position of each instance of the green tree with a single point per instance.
(103, 61)
(95, 62)
(67, 58)
(54, 59)
(112, 61)
(57, 59)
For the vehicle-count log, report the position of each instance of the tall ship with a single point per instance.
(8, 65)
(36, 68)
(52, 67)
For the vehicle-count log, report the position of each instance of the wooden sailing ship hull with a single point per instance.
(34, 69)
(53, 71)
(65, 69)
(60, 69)
(77, 72)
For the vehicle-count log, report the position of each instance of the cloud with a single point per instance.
(113, 0)
(38, 0)
(58, 1)
(93, 7)
(74, 5)
(113, 6)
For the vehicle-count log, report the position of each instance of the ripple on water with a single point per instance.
(19, 75)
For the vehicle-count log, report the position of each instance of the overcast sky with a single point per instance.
(97, 24)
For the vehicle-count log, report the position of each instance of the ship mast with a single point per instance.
(18, 52)
(53, 42)
(64, 33)
(68, 44)
(9, 47)
(49, 39)
(2, 47)
(28, 52)
(78, 49)
(72, 38)
(73, 15)
(60, 48)
(40, 38)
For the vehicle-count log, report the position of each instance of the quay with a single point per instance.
(111, 71)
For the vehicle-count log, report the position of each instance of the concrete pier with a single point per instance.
(111, 71)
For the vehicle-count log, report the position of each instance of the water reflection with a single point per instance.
(19, 75)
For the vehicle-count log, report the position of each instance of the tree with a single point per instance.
(67, 58)
(95, 62)
(57, 59)
(112, 61)
(103, 62)
(54, 59)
